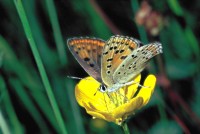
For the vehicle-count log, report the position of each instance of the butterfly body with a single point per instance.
(115, 62)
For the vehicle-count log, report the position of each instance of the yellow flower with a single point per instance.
(117, 106)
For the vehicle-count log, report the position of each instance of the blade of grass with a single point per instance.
(56, 31)
(25, 23)
(141, 30)
(193, 40)
(50, 58)
(104, 17)
(29, 105)
(175, 7)
(1, 58)
(48, 55)
(94, 20)
(193, 43)
(17, 127)
(25, 74)
(3, 125)
(76, 114)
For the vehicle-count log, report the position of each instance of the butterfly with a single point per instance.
(115, 62)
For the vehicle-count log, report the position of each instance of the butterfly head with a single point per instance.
(102, 88)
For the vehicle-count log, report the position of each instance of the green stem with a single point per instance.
(125, 128)
(27, 29)
(141, 30)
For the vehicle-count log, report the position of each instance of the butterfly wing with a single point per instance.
(136, 62)
(115, 51)
(87, 52)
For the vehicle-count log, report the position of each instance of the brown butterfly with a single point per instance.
(115, 62)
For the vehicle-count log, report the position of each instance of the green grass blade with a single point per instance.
(175, 7)
(193, 42)
(17, 127)
(25, 74)
(141, 30)
(3, 125)
(48, 55)
(75, 116)
(28, 104)
(95, 22)
(56, 31)
(25, 23)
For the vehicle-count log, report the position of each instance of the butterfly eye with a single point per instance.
(102, 88)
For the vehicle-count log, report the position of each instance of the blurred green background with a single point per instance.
(37, 97)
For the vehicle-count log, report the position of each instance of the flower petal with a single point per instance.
(106, 115)
(148, 89)
(128, 108)
(87, 91)
(133, 88)
(116, 106)
(84, 88)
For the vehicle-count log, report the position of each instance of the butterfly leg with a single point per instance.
(105, 100)
(132, 82)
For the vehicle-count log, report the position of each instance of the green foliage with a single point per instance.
(96, 24)
(165, 127)
(183, 62)
(6, 104)
(175, 7)
(196, 99)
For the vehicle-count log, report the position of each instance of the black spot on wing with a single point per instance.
(134, 56)
(110, 59)
(91, 65)
(123, 57)
(131, 48)
(105, 53)
(86, 59)
(117, 51)
(121, 51)
(109, 66)
(111, 48)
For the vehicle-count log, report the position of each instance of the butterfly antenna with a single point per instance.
(74, 77)
(139, 85)
(78, 78)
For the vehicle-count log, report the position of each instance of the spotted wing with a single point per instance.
(87, 52)
(136, 62)
(115, 51)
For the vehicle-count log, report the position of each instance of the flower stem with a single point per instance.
(125, 128)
